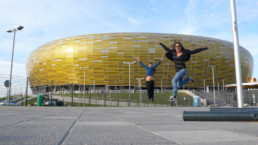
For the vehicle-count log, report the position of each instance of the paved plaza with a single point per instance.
(117, 126)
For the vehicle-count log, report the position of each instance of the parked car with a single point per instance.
(11, 103)
(1, 102)
(54, 102)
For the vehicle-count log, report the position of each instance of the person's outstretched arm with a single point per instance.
(164, 46)
(199, 50)
(162, 58)
(137, 58)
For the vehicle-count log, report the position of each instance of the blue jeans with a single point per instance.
(179, 81)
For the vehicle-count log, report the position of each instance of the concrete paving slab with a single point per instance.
(116, 126)
(114, 135)
(205, 136)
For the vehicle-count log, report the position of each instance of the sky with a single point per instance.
(48, 20)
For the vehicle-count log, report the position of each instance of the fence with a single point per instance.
(136, 98)
(18, 87)
(228, 97)
(91, 95)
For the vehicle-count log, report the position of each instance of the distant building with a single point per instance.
(60, 60)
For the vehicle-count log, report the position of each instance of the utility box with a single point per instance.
(40, 100)
(196, 101)
(203, 102)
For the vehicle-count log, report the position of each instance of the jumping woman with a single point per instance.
(179, 55)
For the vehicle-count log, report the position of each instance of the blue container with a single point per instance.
(196, 101)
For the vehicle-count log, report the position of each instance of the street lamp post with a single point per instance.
(14, 32)
(84, 68)
(129, 103)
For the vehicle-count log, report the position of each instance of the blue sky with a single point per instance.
(48, 20)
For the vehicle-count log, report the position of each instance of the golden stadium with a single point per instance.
(61, 60)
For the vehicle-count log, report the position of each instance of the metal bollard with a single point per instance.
(220, 115)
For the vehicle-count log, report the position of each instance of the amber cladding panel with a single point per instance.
(60, 61)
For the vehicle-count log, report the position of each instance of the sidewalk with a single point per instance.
(117, 126)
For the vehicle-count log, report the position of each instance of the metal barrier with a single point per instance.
(220, 115)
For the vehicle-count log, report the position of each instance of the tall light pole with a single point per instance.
(84, 68)
(14, 32)
(129, 103)
(240, 98)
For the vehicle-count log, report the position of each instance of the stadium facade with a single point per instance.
(60, 61)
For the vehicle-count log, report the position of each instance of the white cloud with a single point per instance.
(250, 43)
(247, 10)
(18, 68)
(134, 21)
(189, 23)
(188, 30)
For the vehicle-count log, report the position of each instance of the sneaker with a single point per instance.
(191, 79)
(172, 98)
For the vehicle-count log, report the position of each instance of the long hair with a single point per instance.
(174, 45)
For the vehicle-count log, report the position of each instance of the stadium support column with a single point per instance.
(213, 86)
(84, 68)
(236, 55)
(26, 95)
(129, 101)
(51, 93)
(203, 85)
(72, 94)
(139, 91)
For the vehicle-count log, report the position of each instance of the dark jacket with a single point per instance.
(180, 61)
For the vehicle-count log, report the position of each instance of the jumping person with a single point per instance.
(150, 70)
(179, 55)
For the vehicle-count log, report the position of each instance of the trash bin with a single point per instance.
(196, 101)
(40, 100)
